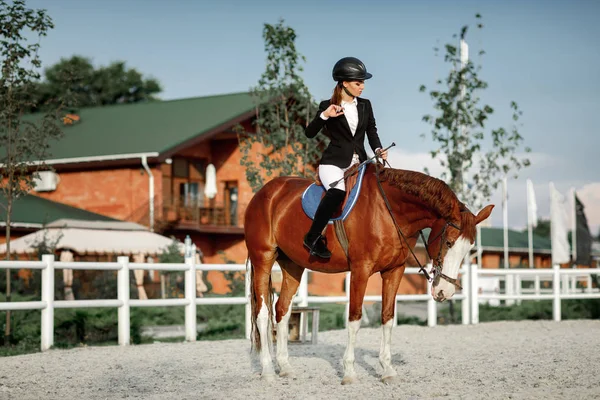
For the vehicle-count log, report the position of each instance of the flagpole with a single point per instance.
(508, 279)
(574, 226)
(530, 223)
(505, 219)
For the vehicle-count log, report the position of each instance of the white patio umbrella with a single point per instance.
(210, 188)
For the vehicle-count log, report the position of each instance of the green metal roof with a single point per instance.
(156, 126)
(492, 238)
(34, 210)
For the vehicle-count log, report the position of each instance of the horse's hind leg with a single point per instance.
(262, 311)
(292, 274)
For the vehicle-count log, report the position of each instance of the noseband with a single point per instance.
(436, 270)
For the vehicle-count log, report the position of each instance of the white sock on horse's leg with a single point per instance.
(349, 372)
(285, 369)
(385, 352)
(262, 321)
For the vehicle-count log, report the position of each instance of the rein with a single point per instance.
(437, 262)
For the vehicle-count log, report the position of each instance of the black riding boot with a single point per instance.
(329, 204)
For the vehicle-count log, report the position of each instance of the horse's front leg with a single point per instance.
(391, 282)
(292, 274)
(358, 285)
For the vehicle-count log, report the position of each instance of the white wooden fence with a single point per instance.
(469, 297)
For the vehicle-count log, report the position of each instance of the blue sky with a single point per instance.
(542, 54)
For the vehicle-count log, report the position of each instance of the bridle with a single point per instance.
(437, 262)
(436, 270)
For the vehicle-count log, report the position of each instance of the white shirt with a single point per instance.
(351, 113)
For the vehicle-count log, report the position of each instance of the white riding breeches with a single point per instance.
(331, 173)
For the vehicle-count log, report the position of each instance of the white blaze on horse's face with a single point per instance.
(444, 290)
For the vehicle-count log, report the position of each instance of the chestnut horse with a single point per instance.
(275, 224)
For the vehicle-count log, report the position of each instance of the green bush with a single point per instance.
(533, 310)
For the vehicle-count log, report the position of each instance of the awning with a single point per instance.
(97, 237)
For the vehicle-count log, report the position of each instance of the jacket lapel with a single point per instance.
(360, 106)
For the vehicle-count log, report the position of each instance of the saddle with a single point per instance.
(313, 194)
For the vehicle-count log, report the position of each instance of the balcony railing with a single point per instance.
(204, 212)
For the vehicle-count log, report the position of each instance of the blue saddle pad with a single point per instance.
(313, 194)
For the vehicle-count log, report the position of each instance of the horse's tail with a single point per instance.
(255, 333)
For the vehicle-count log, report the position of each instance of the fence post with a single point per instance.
(556, 291)
(347, 289)
(536, 286)
(123, 295)
(303, 290)
(248, 293)
(466, 291)
(474, 295)
(190, 296)
(518, 288)
(431, 307)
(47, 339)
(303, 293)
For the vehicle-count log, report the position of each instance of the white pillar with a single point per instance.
(556, 311)
(248, 293)
(518, 286)
(466, 291)
(431, 307)
(536, 285)
(347, 289)
(303, 289)
(474, 298)
(123, 295)
(47, 340)
(190, 296)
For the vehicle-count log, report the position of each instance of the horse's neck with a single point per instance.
(411, 215)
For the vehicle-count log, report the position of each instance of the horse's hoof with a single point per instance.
(390, 380)
(286, 373)
(349, 380)
(268, 377)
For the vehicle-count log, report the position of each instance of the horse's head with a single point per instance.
(448, 244)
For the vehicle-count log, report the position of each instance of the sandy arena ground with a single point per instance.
(500, 360)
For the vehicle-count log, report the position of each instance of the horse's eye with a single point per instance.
(449, 244)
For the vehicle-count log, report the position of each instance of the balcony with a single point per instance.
(204, 215)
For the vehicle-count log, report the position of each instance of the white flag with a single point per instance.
(559, 218)
(532, 218)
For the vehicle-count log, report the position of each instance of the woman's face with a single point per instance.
(355, 87)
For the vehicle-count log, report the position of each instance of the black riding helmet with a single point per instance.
(350, 69)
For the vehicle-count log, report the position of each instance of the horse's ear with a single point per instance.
(484, 214)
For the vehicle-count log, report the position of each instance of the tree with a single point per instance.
(113, 84)
(542, 229)
(283, 108)
(22, 140)
(458, 128)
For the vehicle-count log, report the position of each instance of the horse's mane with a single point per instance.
(435, 193)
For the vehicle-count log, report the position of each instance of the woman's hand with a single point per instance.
(333, 111)
(382, 153)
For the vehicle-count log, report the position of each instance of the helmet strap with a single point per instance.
(347, 91)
